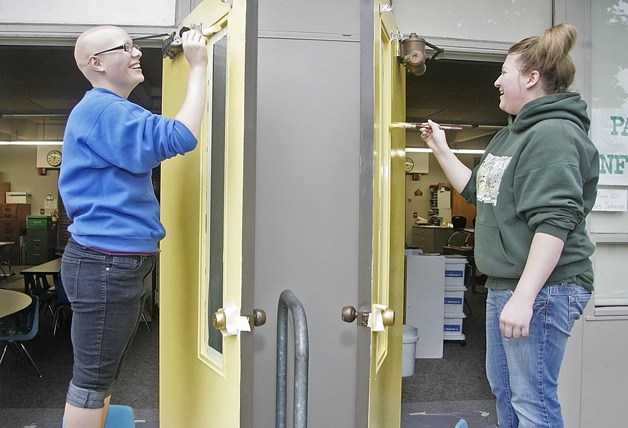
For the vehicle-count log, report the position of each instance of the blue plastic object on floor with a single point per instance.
(462, 424)
(120, 417)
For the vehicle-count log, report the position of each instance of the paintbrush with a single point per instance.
(416, 126)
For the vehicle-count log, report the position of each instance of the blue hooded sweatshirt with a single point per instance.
(110, 148)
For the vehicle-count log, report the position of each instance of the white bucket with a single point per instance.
(410, 339)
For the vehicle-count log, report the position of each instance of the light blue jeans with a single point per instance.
(523, 373)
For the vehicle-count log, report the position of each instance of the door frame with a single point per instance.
(371, 383)
(365, 220)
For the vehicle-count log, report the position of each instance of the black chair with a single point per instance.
(62, 303)
(6, 269)
(461, 238)
(38, 286)
(459, 222)
(26, 328)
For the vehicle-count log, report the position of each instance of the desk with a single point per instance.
(431, 238)
(52, 268)
(13, 301)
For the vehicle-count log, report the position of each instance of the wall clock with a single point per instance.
(54, 158)
(409, 164)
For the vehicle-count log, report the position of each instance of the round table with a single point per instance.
(13, 301)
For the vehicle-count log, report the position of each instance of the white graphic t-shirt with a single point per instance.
(489, 178)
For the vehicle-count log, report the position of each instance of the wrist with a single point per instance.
(525, 294)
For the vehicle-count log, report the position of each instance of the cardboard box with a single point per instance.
(18, 198)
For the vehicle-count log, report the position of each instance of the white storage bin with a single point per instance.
(454, 299)
(452, 325)
(454, 269)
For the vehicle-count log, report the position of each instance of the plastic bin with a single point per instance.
(454, 299)
(454, 270)
(452, 326)
(408, 355)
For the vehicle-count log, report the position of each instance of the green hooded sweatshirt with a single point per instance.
(539, 174)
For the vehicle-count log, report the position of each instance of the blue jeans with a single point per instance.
(107, 294)
(523, 373)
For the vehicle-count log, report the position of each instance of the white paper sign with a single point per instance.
(609, 132)
(611, 200)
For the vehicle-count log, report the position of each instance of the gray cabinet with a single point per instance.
(40, 245)
(425, 309)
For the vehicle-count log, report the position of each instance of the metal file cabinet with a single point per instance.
(12, 226)
(40, 245)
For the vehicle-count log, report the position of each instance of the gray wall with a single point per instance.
(307, 196)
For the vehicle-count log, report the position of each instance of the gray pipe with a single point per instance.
(287, 300)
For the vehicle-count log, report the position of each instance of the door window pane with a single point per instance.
(216, 186)
(609, 114)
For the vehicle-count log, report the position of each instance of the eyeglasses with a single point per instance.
(128, 47)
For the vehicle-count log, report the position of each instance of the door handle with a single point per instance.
(229, 321)
(378, 318)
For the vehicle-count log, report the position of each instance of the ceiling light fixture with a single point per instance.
(31, 143)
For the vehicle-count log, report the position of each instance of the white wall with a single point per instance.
(469, 25)
(18, 166)
(94, 12)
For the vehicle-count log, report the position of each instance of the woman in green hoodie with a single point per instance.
(533, 189)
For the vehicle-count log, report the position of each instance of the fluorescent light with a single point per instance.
(418, 150)
(459, 151)
(31, 143)
(469, 151)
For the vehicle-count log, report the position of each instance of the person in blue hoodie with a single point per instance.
(534, 187)
(110, 148)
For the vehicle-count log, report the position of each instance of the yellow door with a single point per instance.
(388, 220)
(206, 261)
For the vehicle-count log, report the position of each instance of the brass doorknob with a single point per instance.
(234, 324)
(349, 314)
(219, 320)
(258, 318)
(388, 317)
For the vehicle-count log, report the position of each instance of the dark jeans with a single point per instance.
(107, 295)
